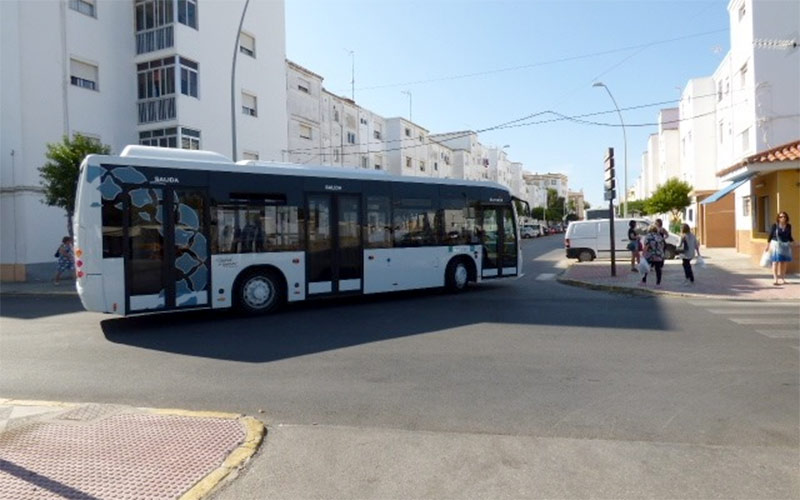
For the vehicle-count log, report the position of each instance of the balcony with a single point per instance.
(158, 109)
(154, 39)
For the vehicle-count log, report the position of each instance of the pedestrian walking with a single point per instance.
(688, 248)
(66, 259)
(661, 230)
(633, 245)
(653, 253)
(779, 246)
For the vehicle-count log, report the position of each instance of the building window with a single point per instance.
(305, 131)
(189, 77)
(376, 134)
(156, 78)
(436, 166)
(336, 154)
(336, 115)
(364, 162)
(408, 162)
(363, 121)
(163, 137)
(764, 219)
(408, 132)
(187, 12)
(421, 166)
(303, 86)
(743, 76)
(721, 131)
(719, 90)
(351, 138)
(83, 6)
(153, 20)
(250, 155)
(746, 140)
(747, 202)
(83, 75)
(190, 138)
(249, 104)
(378, 162)
(247, 44)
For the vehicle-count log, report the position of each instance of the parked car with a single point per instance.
(590, 239)
(531, 231)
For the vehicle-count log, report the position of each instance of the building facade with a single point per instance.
(154, 72)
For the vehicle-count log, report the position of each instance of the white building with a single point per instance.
(151, 72)
(757, 108)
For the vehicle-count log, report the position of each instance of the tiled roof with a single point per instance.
(786, 152)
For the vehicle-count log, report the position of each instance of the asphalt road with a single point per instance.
(513, 389)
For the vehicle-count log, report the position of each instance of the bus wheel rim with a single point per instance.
(258, 292)
(461, 276)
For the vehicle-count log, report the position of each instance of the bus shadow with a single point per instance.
(321, 326)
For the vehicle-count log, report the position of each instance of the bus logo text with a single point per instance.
(332, 187)
(165, 180)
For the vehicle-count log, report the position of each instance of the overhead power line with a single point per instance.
(543, 63)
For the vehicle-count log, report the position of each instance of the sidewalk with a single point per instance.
(727, 275)
(66, 287)
(92, 451)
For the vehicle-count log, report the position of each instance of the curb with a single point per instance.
(254, 436)
(650, 292)
(29, 293)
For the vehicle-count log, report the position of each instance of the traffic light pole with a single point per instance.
(610, 193)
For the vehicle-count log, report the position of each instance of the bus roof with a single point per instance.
(148, 156)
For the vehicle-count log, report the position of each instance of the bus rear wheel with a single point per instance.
(260, 292)
(456, 276)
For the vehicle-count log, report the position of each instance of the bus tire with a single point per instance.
(456, 275)
(260, 291)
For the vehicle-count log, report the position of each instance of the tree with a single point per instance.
(672, 197)
(637, 207)
(537, 213)
(59, 176)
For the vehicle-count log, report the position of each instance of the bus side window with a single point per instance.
(378, 230)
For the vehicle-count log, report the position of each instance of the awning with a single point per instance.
(729, 188)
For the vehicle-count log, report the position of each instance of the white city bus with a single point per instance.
(165, 229)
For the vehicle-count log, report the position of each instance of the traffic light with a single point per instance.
(610, 182)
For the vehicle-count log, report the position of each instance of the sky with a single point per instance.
(505, 68)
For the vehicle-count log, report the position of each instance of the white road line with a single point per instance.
(737, 304)
(765, 321)
(546, 276)
(751, 311)
(780, 334)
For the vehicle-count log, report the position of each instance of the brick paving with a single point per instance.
(108, 452)
(727, 274)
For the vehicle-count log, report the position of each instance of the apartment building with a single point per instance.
(756, 124)
(155, 72)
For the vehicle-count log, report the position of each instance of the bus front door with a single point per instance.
(335, 252)
(499, 242)
(167, 261)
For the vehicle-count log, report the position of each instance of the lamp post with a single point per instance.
(625, 148)
(233, 81)
(352, 74)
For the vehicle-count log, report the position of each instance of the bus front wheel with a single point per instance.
(260, 292)
(456, 276)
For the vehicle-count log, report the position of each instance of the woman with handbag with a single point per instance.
(779, 246)
(653, 253)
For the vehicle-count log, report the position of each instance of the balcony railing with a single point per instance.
(154, 39)
(158, 109)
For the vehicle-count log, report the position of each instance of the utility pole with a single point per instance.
(610, 185)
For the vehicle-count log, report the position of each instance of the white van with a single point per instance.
(587, 240)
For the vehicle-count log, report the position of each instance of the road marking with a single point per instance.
(738, 304)
(765, 321)
(749, 311)
(780, 334)
(546, 276)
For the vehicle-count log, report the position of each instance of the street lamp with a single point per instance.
(352, 74)
(233, 81)
(625, 146)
